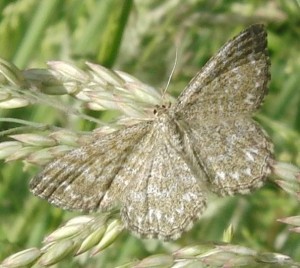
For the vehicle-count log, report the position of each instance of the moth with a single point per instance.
(158, 172)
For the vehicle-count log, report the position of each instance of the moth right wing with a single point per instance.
(233, 81)
(235, 154)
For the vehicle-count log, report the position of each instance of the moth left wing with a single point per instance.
(80, 179)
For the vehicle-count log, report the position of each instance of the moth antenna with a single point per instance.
(171, 74)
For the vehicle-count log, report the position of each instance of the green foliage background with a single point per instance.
(141, 38)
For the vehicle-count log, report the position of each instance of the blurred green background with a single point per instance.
(141, 38)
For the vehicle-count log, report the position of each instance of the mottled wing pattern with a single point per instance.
(236, 156)
(80, 179)
(232, 82)
(164, 198)
(137, 169)
(215, 111)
